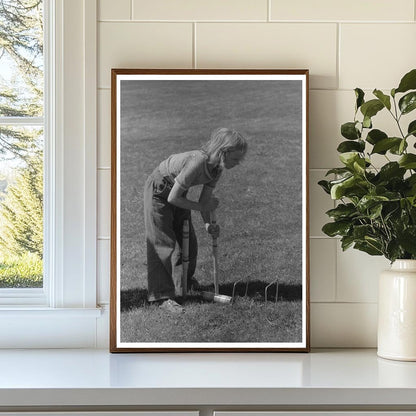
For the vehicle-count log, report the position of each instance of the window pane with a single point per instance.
(21, 207)
(21, 58)
(21, 146)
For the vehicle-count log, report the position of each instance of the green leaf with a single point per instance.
(385, 99)
(368, 201)
(413, 212)
(359, 165)
(368, 248)
(361, 231)
(391, 212)
(408, 161)
(374, 242)
(359, 95)
(325, 186)
(398, 149)
(412, 202)
(391, 170)
(371, 108)
(346, 242)
(375, 211)
(349, 158)
(411, 130)
(333, 229)
(407, 239)
(408, 82)
(374, 136)
(350, 146)
(338, 190)
(350, 131)
(411, 180)
(408, 103)
(342, 179)
(338, 171)
(393, 250)
(367, 122)
(383, 145)
(411, 185)
(342, 211)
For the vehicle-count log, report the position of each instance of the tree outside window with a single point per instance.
(21, 143)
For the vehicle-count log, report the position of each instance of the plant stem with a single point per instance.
(388, 234)
(397, 118)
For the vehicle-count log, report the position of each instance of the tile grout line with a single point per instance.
(323, 237)
(336, 271)
(269, 11)
(344, 303)
(338, 63)
(131, 10)
(194, 62)
(308, 22)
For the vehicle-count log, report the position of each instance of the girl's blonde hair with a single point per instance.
(224, 140)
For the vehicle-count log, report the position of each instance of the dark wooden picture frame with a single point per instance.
(262, 301)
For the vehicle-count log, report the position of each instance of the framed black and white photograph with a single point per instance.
(209, 211)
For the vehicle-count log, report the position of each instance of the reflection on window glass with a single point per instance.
(21, 143)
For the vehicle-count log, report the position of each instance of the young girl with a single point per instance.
(166, 206)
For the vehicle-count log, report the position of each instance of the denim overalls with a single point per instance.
(164, 223)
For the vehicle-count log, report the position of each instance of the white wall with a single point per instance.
(345, 44)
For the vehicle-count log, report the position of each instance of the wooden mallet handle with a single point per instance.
(215, 255)
(185, 257)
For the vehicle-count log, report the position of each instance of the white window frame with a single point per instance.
(64, 313)
(33, 296)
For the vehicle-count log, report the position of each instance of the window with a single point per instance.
(63, 313)
(21, 143)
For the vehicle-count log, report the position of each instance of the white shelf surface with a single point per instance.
(98, 378)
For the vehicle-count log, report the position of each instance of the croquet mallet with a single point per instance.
(216, 297)
(185, 257)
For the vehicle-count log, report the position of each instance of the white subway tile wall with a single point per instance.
(200, 10)
(343, 325)
(104, 202)
(104, 128)
(323, 269)
(345, 44)
(114, 10)
(103, 270)
(352, 10)
(145, 45)
(270, 45)
(375, 55)
(357, 275)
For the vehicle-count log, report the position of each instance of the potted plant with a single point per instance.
(376, 206)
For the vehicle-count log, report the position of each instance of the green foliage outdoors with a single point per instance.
(21, 147)
(21, 213)
(376, 212)
(21, 271)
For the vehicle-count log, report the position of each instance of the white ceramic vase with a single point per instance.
(397, 312)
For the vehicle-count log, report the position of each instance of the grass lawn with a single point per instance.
(260, 210)
(206, 322)
(25, 271)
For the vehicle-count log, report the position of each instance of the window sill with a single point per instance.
(36, 312)
(40, 327)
